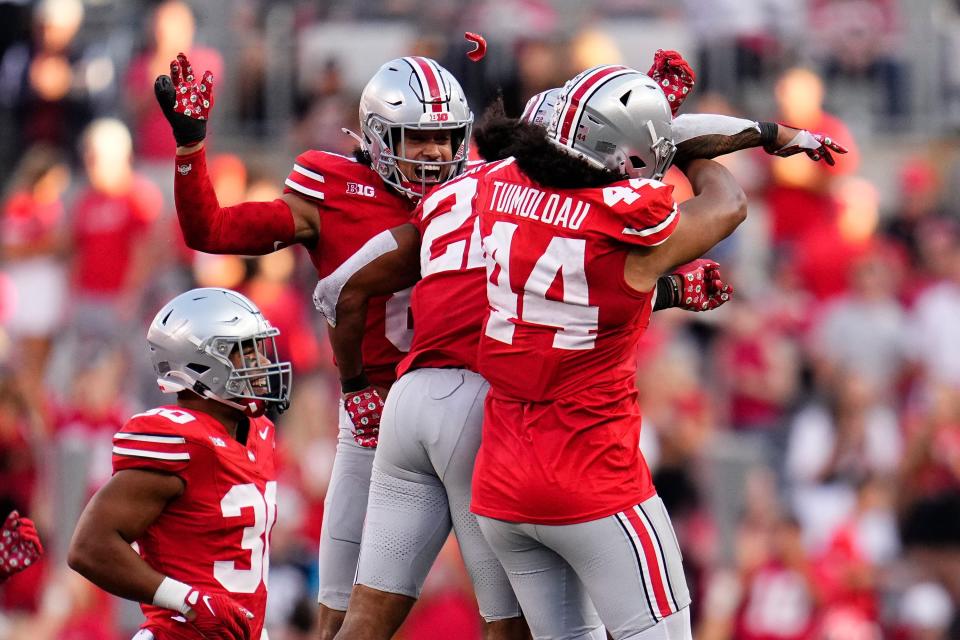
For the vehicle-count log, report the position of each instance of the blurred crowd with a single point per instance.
(805, 437)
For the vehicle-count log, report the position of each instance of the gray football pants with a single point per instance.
(628, 564)
(343, 512)
(420, 488)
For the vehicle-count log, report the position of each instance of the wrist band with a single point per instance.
(668, 294)
(356, 383)
(172, 594)
(768, 135)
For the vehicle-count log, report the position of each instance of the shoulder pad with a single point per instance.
(637, 211)
(317, 174)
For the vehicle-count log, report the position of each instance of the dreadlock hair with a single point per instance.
(498, 136)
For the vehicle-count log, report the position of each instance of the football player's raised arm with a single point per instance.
(249, 228)
(716, 210)
(387, 263)
(116, 516)
(705, 136)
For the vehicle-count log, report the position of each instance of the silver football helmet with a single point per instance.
(413, 93)
(615, 118)
(539, 108)
(216, 343)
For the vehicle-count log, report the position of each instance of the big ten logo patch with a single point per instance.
(357, 189)
(442, 116)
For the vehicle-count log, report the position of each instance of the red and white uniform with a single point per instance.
(216, 535)
(453, 277)
(562, 421)
(355, 205)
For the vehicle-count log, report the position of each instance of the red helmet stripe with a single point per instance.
(430, 80)
(579, 95)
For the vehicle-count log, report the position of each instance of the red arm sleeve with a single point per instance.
(249, 228)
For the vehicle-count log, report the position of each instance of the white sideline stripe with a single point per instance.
(649, 231)
(144, 438)
(140, 453)
(302, 189)
(306, 172)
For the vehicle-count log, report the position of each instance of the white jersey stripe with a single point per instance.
(304, 190)
(661, 558)
(306, 172)
(649, 231)
(634, 541)
(158, 455)
(141, 437)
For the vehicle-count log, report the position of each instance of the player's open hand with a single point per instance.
(817, 146)
(703, 289)
(218, 617)
(674, 75)
(186, 101)
(19, 545)
(364, 408)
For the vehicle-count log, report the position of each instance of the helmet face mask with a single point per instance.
(615, 118)
(408, 95)
(217, 344)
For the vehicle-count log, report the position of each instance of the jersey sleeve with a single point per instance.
(155, 441)
(639, 212)
(307, 179)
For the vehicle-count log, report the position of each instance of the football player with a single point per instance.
(415, 129)
(447, 427)
(194, 484)
(577, 228)
(19, 545)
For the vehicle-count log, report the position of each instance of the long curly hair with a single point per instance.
(498, 136)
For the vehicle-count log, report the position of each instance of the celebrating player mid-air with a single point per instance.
(415, 129)
(194, 483)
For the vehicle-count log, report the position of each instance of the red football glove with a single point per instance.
(217, 616)
(185, 102)
(703, 289)
(19, 545)
(674, 75)
(364, 408)
(815, 145)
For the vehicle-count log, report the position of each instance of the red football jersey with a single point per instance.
(216, 536)
(355, 205)
(562, 423)
(450, 302)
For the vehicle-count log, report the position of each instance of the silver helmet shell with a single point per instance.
(407, 94)
(615, 118)
(539, 108)
(191, 340)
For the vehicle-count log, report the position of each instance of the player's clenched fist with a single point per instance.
(674, 76)
(702, 288)
(19, 545)
(217, 617)
(364, 408)
(186, 101)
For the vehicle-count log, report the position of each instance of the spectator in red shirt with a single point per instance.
(173, 29)
(112, 220)
(799, 197)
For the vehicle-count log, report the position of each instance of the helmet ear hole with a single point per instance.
(198, 368)
(637, 163)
